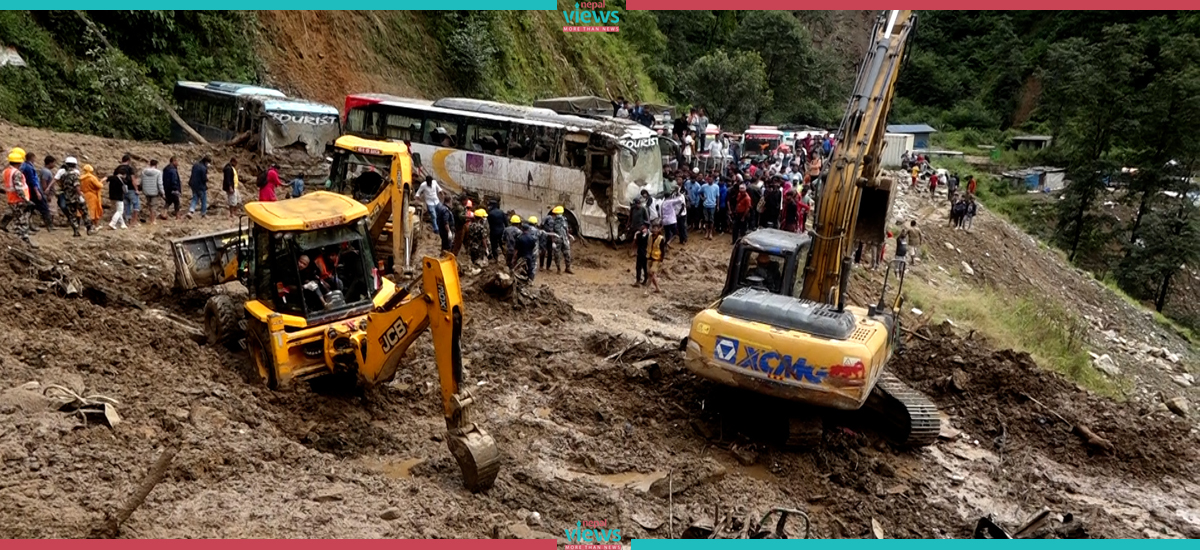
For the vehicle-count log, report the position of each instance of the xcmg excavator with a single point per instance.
(782, 327)
(319, 306)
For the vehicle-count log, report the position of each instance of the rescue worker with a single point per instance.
(562, 242)
(547, 244)
(526, 248)
(70, 193)
(532, 222)
(496, 233)
(19, 205)
(444, 218)
(510, 239)
(477, 238)
(91, 188)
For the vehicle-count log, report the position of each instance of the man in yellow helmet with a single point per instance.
(557, 225)
(477, 238)
(510, 238)
(17, 189)
(527, 246)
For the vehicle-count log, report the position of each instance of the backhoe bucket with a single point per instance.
(477, 457)
(207, 260)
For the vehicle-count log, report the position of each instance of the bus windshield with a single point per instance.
(759, 145)
(642, 172)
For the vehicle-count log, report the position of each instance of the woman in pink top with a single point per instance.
(267, 192)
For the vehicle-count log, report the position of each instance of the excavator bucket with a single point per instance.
(207, 260)
(477, 457)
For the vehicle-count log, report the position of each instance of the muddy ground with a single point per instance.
(583, 433)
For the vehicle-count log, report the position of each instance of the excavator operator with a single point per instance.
(766, 273)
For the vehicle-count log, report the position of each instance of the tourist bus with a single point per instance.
(530, 159)
(264, 118)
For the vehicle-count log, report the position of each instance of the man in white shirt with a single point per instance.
(688, 143)
(430, 193)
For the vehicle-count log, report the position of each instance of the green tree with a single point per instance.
(1167, 244)
(798, 79)
(731, 88)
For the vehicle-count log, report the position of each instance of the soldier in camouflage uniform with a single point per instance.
(72, 198)
(477, 238)
(562, 242)
(510, 240)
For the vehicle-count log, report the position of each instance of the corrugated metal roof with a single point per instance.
(910, 129)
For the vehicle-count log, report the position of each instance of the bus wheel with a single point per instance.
(572, 223)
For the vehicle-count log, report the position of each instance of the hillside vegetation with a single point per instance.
(74, 83)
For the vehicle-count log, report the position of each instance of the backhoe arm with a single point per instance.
(393, 327)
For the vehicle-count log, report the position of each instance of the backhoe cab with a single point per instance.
(318, 306)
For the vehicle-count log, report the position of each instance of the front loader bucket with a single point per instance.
(207, 260)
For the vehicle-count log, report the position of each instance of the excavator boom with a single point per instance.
(854, 170)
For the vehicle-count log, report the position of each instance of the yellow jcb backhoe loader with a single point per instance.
(318, 306)
(781, 326)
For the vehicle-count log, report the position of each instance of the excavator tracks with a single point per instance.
(911, 418)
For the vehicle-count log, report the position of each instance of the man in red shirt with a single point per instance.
(267, 192)
(741, 213)
(971, 185)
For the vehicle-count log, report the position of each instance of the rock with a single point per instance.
(330, 494)
(520, 531)
(967, 268)
(1106, 365)
(390, 514)
(958, 378)
(1110, 334)
(884, 469)
(876, 528)
(949, 246)
(1173, 358)
(534, 519)
(650, 368)
(12, 450)
(647, 521)
(744, 456)
(208, 417)
(1182, 380)
(1178, 405)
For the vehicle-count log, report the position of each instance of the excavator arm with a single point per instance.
(854, 171)
(396, 324)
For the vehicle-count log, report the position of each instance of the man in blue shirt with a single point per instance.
(692, 187)
(35, 191)
(710, 194)
(199, 184)
(722, 206)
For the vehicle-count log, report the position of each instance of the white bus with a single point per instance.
(529, 159)
(222, 111)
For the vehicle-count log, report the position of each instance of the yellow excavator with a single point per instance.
(782, 327)
(318, 305)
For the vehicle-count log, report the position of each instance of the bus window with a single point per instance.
(441, 132)
(222, 115)
(549, 144)
(486, 136)
(402, 127)
(576, 151)
(521, 141)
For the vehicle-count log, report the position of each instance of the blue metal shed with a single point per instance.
(919, 132)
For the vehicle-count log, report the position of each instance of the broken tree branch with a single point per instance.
(112, 526)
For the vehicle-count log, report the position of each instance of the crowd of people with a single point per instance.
(148, 194)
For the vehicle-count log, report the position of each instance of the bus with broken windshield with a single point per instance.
(528, 159)
(262, 119)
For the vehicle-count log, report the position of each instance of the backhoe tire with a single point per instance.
(260, 369)
(223, 319)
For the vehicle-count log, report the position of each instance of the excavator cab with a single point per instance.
(769, 260)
